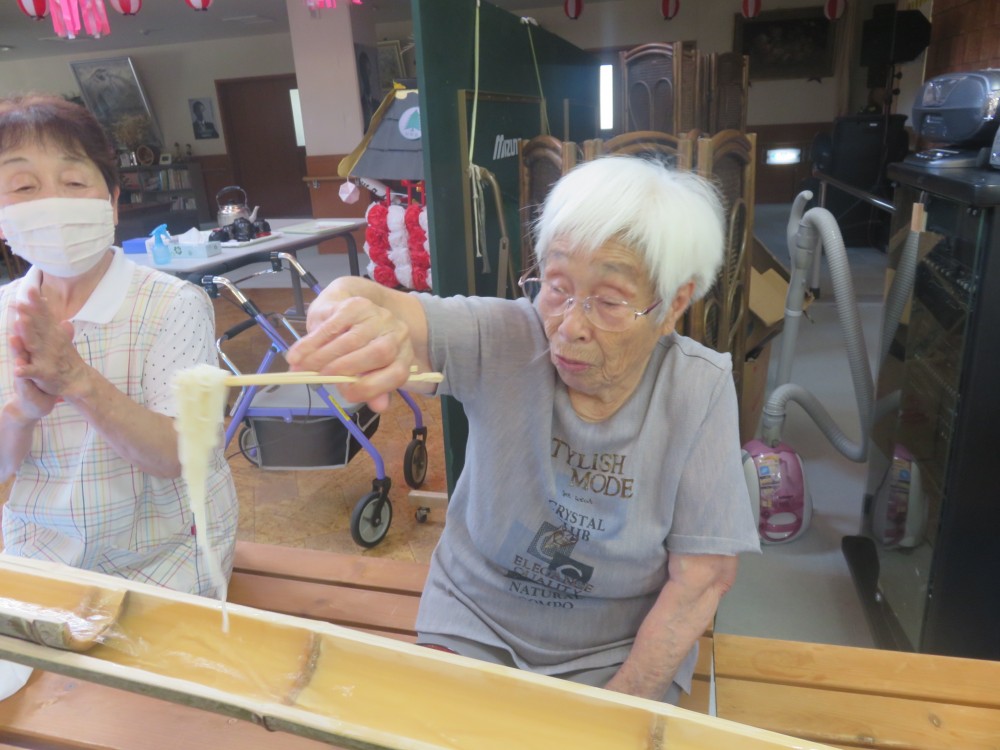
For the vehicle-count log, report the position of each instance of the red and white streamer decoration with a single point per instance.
(315, 5)
(36, 9)
(380, 268)
(199, 4)
(669, 8)
(573, 8)
(126, 7)
(750, 8)
(834, 9)
(70, 16)
(397, 245)
(420, 258)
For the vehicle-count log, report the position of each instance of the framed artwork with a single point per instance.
(794, 43)
(112, 92)
(390, 64)
(203, 118)
(366, 58)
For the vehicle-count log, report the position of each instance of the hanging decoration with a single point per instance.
(399, 245)
(315, 5)
(380, 268)
(573, 8)
(35, 9)
(834, 9)
(669, 8)
(126, 7)
(199, 4)
(70, 16)
(419, 262)
(750, 8)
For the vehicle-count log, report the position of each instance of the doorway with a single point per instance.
(257, 122)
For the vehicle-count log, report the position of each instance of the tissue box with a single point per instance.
(194, 250)
(136, 245)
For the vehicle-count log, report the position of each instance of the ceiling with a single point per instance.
(173, 22)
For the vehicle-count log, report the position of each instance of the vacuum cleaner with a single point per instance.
(774, 471)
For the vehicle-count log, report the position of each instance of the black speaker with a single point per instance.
(863, 145)
(893, 36)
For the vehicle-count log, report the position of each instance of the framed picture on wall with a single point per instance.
(366, 58)
(390, 64)
(794, 43)
(203, 118)
(112, 92)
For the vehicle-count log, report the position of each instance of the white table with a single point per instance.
(291, 236)
(305, 233)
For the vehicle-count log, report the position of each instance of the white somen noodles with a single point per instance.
(201, 397)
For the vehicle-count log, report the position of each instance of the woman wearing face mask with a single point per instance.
(91, 342)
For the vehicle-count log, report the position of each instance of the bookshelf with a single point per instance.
(171, 194)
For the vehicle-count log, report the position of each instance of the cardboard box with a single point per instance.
(753, 392)
(769, 280)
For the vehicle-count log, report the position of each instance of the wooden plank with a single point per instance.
(350, 689)
(700, 698)
(53, 712)
(857, 719)
(330, 567)
(971, 682)
(703, 667)
(350, 607)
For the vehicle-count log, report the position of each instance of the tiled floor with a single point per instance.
(312, 507)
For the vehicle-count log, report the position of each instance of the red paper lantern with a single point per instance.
(834, 9)
(126, 7)
(36, 9)
(573, 8)
(750, 8)
(199, 4)
(669, 8)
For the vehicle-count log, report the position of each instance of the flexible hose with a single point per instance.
(801, 249)
(850, 322)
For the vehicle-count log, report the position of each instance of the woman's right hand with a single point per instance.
(351, 333)
(32, 403)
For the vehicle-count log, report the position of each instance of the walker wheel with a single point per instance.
(370, 520)
(422, 514)
(415, 463)
(248, 445)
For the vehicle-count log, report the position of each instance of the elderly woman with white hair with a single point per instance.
(597, 521)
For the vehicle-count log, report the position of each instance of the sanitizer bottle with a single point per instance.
(161, 253)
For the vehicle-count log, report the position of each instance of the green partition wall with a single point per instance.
(509, 107)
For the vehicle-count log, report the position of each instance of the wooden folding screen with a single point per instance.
(727, 87)
(543, 160)
(720, 320)
(660, 87)
(674, 150)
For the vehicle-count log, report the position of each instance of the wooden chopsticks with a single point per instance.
(296, 378)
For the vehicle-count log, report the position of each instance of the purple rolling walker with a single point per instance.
(311, 426)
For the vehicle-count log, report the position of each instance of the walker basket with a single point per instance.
(316, 442)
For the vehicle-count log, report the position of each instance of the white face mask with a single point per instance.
(61, 236)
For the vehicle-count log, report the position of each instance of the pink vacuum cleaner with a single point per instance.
(775, 473)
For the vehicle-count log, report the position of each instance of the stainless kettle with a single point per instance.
(230, 212)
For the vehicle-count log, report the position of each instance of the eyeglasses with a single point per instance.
(607, 314)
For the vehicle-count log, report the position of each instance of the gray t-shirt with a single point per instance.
(557, 535)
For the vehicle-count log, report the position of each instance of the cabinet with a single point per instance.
(937, 591)
(171, 194)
